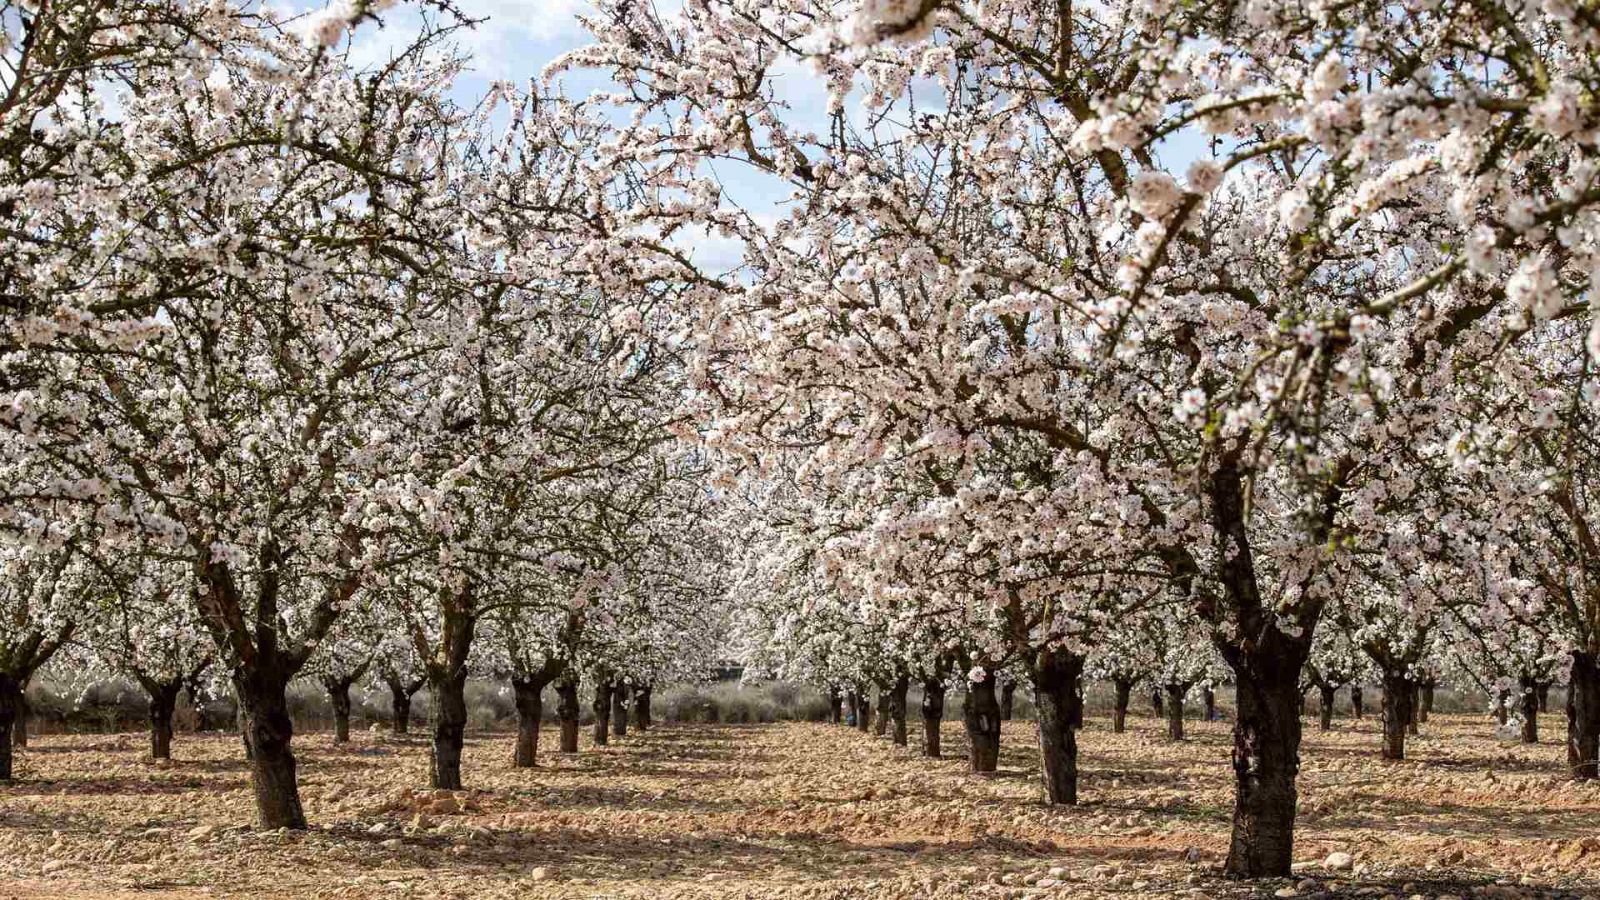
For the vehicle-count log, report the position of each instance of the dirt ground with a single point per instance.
(794, 810)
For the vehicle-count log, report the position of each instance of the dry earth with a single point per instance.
(793, 810)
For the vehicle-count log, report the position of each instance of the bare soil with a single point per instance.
(795, 810)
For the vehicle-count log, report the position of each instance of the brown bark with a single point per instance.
(619, 710)
(1119, 713)
(339, 695)
(641, 707)
(528, 689)
(400, 693)
(1056, 674)
(1008, 694)
(1583, 716)
(448, 691)
(1530, 711)
(264, 709)
(10, 719)
(1174, 706)
(835, 707)
(1357, 708)
(1425, 690)
(880, 725)
(1325, 714)
(980, 712)
(567, 711)
(602, 709)
(1397, 715)
(897, 710)
(163, 700)
(932, 715)
(19, 731)
(863, 710)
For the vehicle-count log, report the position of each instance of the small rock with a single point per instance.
(540, 873)
(54, 865)
(390, 844)
(202, 832)
(1285, 892)
(1339, 862)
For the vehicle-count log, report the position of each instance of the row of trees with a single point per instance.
(310, 371)
(992, 386)
(1257, 321)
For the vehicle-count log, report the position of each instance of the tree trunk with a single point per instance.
(1119, 713)
(1411, 715)
(1544, 696)
(619, 710)
(400, 706)
(449, 694)
(897, 710)
(1583, 716)
(835, 707)
(1325, 720)
(1055, 694)
(1174, 704)
(1357, 710)
(1502, 706)
(1397, 716)
(1425, 699)
(19, 731)
(1530, 712)
(641, 708)
(932, 715)
(530, 715)
(880, 726)
(163, 699)
(339, 694)
(11, 720)
(863, 711)
(1266, 757)
(980, 712)
(1155, 701)
(602, 709)
(241, 721)
(1210, 697)
(1008, 693)
(567, 711)
(264, 708)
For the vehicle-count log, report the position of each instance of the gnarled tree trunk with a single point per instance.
(400, 693)
(897, 710)
(163, 700)
(339, 696)
(1325, 715)
(528, 689)
(641, 707)
(619, 710)
(19, 731)
(567, 710)
(980, 712)
(932, 715)
(880, 725)
(1174, 704)
(1119, 712)
(1008, 696)
(1397, 715)
(1056, 674)
(602, 709)
(1425, 698)
(448, 691)
(264, 710)
(1156, 705)
(10, 721)
(863, 710)
(1530, 711)
(1583, 716)
(1357, 709)
(1266, 757)
(835, 707)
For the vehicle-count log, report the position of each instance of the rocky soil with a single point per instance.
(795, 811)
